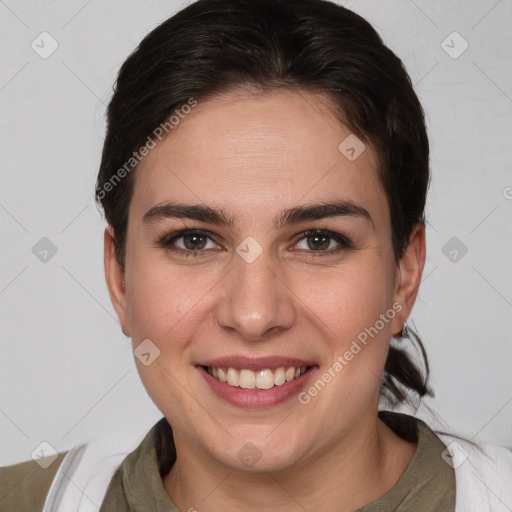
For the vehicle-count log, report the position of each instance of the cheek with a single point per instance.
(163, 308)
(160, 296)
(167, 302)
(355, 307)
(346, 308)
(350, 298)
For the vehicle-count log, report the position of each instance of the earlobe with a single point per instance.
(409, 272)
(114, 277)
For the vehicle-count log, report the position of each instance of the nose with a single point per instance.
(255, 300)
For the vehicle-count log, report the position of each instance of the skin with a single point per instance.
(253, 155)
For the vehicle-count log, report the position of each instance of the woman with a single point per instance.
(264, 178)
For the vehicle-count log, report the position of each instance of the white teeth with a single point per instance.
(279, 377)
(233, 378)
(264, 379)
(247, 379)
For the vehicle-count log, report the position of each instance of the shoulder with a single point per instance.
(488, 456)
(483, 472)
(24, 486)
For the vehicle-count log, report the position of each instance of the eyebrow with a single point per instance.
(295, 215)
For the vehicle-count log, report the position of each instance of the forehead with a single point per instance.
(254, 154)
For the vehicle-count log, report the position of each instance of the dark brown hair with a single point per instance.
(213, 46)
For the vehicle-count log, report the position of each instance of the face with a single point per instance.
(293, 304)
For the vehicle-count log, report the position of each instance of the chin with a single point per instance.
(256, 461)
(259, 454)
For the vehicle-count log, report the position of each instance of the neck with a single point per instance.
(346, 475)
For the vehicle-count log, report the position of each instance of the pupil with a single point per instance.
(194, 239)
(325, 244)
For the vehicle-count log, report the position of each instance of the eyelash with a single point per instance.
(168, 239)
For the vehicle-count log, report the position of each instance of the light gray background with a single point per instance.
(67, 371)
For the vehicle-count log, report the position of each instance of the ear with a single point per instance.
(114, 276)
(408, 276)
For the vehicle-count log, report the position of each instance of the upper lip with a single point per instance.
(255, 363)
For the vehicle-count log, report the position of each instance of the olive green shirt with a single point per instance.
(427, 485)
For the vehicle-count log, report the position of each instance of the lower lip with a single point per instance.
(256, 397)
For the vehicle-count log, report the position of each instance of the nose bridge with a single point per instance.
(255, 301)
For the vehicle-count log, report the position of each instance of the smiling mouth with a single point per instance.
(263, 379)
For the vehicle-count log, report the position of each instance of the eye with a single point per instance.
(187, 242)
(318, 240)
(194, 242)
